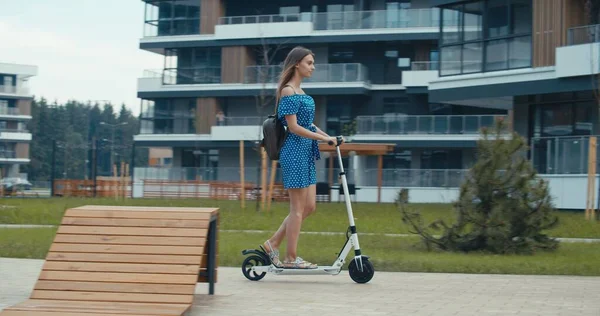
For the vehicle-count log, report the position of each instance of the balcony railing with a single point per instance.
(432, 178)
(13, 130)
(424, 65)
(7, 154)
(241, 121)
(394, 123)
(350, 72)
(350, 20)
(191, 75)
(9, 111)
(583, 34)
(561, 155)
(447, 178)
(323, 21)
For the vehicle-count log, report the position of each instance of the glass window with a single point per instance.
(497, 16)
(520, 52)
(520, 16)
(450, 60)
(468, 47)
(583, 118)
(472, 57)
(557, 120)
(473, 15)
(496, 55)
(451, 24)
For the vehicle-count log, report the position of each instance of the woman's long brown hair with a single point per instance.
(293, 58)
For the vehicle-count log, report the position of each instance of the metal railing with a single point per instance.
(191, 75)
(583, 34)
(394, 123)
(432, 178)
(267, 18)
(241, 121)
(343, 72)
(560, 155)
(424, 65)
(9, 111)
(380, 19)
(172, 27)
(447, 178)
(8, 154)
(13, 130)
(323, 21)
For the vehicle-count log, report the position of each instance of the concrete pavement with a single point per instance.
(389, 293)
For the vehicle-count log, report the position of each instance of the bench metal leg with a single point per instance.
(212, 250)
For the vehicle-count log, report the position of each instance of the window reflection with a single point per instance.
(504, 43)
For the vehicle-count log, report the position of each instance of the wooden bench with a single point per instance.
(116, 260)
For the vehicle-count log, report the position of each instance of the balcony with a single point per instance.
(350, 78)
(583, 35)
(350, 72)
(183, 128)
(400, 24)
(192, 75)
(401, 127)
(8, 154)
(581, 57)
(19, 90)
(420, 74)
(16, 135)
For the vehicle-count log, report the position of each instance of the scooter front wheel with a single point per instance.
(359, 276)
(250, 262)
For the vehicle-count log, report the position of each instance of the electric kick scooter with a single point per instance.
(361, 270)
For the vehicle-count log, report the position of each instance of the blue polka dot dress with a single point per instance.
(298, 154)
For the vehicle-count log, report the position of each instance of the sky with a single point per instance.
(85, 50)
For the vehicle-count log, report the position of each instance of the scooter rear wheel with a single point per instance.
(250, 262)
(363, 276)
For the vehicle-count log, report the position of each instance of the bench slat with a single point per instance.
(120, 267)
(138, 214)
(134, 222)
(133, 231)
(62, 313)
(163, 209)
(112, 297)
(115, 287)
(100, 307)
(130, 240)
(126, 249)
(123, 258)
(118, 277)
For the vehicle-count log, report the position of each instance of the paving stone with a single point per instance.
(389, 293)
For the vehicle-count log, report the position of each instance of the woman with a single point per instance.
(296, 110)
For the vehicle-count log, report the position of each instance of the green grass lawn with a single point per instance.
(330, 217)
(387, 253)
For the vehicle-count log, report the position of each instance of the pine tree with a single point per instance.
(503, 206)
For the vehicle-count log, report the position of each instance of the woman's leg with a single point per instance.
(309, 208)
(294, 221)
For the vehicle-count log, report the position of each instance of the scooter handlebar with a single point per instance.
(338, 140)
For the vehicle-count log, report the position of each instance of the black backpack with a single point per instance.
(274, 135)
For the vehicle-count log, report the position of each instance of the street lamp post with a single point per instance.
(112, 138)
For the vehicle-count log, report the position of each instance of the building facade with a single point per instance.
(15, 112)
(540, 58)
(424, 75)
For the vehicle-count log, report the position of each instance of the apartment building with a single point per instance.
(539, 58)
(374, 64)
(15, 112)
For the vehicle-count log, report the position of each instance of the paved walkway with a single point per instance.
(389, 293)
